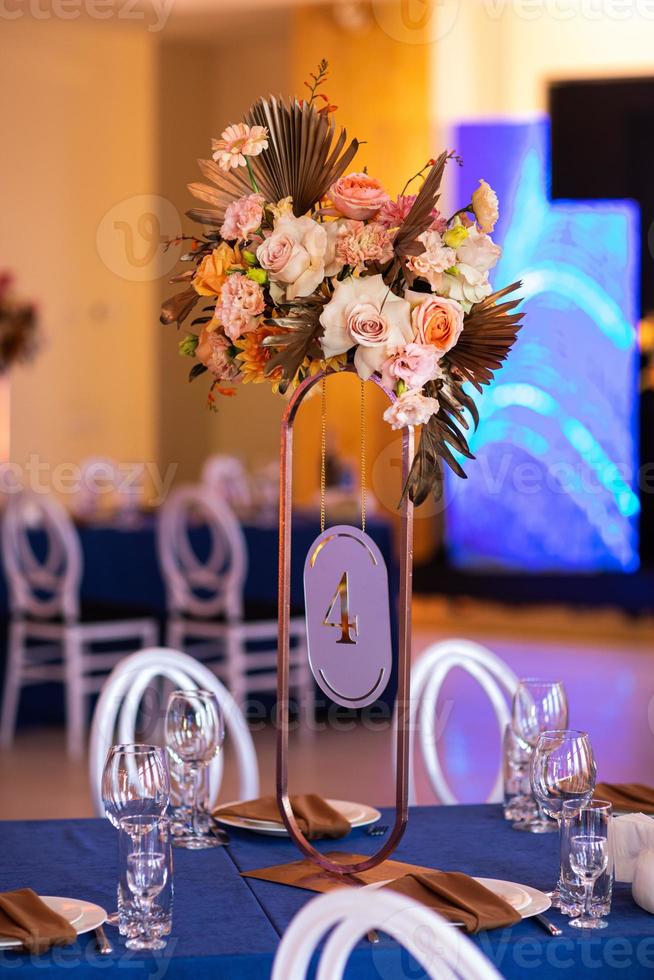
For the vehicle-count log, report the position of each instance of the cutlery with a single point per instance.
(548, 926)
(376, 831)
(102, 944)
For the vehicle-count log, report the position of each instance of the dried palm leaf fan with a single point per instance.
(304, 158)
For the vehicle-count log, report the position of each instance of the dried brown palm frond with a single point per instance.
(305, 156)
(442, 431)
(489, 332)
(419, 217)
(297, 339)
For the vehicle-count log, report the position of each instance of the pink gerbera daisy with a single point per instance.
(238, 142)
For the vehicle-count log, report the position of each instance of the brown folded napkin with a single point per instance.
(458, 898)
(627, 796)
(307, 874)
(315, 817)
(25, 917)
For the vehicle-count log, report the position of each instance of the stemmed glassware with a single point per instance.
(135, 783)
(562, 771)
(194, 734)
(147, 873)
(589, 858)
(538, 706)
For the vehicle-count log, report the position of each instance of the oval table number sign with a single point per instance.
(348, 616)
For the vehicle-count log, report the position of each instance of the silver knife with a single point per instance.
(102, 944)
(548, 926)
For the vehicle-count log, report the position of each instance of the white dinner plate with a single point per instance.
(83, 916)
(357, 814)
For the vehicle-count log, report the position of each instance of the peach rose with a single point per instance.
(294, 254)
(358, 196)
(411, 408)
(212, 270)
(436, 320)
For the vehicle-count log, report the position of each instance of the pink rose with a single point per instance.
(358, 196)
(411, 408)
(242, 217)
(365, 314)
(414, 364)
(294, 254)
(239, 306)
(437, 321)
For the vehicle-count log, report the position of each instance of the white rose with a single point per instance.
(478, 251)
(411, 408)
(364, 313)
(294, 254)
(486, 206)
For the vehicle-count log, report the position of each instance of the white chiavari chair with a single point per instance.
(441, 950)
(226, 476)
(427, 678)
(51, 638)
(116, 715)
(207, 615)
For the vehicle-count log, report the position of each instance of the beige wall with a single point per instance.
(79, 135)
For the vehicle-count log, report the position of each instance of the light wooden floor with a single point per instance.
(610, 684)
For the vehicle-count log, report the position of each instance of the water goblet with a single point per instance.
(194, 735)
(562, 770)
(135, 782)
(147, 873)
(538, 706)
(589, 858)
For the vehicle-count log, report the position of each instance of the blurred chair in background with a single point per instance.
(427, 678)
(50, 635)
(108, 489)
(203, 558)
(117, 711)
(227, 476)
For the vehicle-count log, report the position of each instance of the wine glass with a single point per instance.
(562, 770)
(194, 735)
(538, 706)
(589, 858)
(135, 782)
(147, 873)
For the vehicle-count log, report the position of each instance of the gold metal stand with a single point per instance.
(404, 654)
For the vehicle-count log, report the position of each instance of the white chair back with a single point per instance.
(42, 557)
(226, 476)
(98, 480)
(202, 587)
(440, 949)
(115, 716)
(427, 678)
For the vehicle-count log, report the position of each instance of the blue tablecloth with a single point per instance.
(227, 928)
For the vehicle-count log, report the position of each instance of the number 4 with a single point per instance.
(349, 628)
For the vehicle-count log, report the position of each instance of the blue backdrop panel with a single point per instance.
(554, 487)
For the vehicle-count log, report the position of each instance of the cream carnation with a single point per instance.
(486, 206)
(364, 313)
(436, 258)
(411, 408)
(414, 364)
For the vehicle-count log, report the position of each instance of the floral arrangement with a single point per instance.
(305, 266)
(18, 326)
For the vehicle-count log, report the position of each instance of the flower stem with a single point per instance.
(253, 179)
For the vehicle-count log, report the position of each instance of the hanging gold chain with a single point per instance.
(323, 450)
(363, 454)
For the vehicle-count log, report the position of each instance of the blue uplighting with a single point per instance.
(554, 486)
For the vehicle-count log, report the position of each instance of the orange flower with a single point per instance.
(254, 356)
(212, 270)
